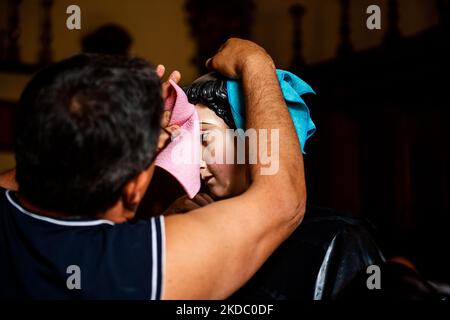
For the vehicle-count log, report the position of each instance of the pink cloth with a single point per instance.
(181, 158)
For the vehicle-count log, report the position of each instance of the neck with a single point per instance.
(116, 214)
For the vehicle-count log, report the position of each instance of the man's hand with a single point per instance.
(184, 204)
(237, 54)
(168, 131)
(174, 76)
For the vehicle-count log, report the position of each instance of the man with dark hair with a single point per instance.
(87, 133)
(73, 110)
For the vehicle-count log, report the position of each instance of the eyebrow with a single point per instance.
(203, 122)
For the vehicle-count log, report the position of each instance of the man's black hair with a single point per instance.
(83, 128)
(211, 90)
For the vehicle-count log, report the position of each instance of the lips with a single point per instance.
(208, 179)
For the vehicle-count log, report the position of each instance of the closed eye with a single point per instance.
(205, 137)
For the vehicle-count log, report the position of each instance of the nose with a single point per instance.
(202, 164)
(204, 172)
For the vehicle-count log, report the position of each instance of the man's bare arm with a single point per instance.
(214, 250)
(8, 180)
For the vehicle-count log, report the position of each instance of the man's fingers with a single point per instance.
(207, 198)
(182, 205)
(200, 200)
(175, 76)
(208, 63)
(165, 90)
(203, 199)
(165, 119)
(187, 206)
(160, 70)
(220, 63)
(235, 54)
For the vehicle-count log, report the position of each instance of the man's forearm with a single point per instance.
(249, 227)
(266, 109)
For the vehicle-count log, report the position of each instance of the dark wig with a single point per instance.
(211, 90)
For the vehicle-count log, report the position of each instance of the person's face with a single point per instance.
(222, 179)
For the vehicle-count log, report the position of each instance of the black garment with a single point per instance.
(398, 282)
(317, 261)
(39, 254)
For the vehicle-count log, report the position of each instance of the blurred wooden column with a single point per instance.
(297, 12)
(10, 58)
(11, 50)
(213, 22)
(45, 54)
(393, 35)
(443, 8)
(345, 47)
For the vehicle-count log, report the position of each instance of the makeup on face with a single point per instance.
(222, 179)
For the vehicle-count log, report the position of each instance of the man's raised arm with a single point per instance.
(8, 180)
(212, 251)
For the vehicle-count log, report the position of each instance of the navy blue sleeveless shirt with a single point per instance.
(47, 258)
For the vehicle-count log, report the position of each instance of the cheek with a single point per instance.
(223, 173)
(221, 186)
(214, 156)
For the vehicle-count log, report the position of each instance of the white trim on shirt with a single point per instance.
(56, 221)
(163, 254)
(154, 261)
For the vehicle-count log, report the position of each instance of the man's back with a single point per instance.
(47, 258)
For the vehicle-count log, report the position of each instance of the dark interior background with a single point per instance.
(381, 150)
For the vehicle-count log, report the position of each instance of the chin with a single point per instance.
(218, 192)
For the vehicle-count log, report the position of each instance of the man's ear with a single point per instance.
(135, 189)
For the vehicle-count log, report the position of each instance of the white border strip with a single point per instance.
(55, 221)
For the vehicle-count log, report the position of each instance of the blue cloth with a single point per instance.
(293, 88)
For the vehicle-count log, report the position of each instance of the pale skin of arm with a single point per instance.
(212, 251)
